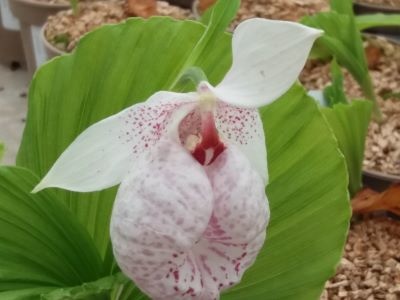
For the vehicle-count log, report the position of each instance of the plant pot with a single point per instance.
(379, 181)
(10, 39)
(32, 15)
(182, 3)
(8, 21)
(363, 8)
(50, 50)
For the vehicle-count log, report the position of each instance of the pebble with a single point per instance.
(372, 273)
(289, 10)
(64, 29)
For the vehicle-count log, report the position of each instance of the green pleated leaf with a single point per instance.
(342, 40)
(114, 287)
(377, 20)
(42, 244)
(128, 292)
(350, 125)
(25, 294)
(334, 93)
(342, 7)
(349, 122)
(98, 290)
(1, 151)
(119, 65)
(225, 11)
(125, 290)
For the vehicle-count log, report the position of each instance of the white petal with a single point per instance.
(243, 127)
(177, 242)
(240, 210)
(101, 155)
(162, 209)
(267, 59)
(222, 264)
(236, 231)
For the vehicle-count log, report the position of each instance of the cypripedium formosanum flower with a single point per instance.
(191, 212)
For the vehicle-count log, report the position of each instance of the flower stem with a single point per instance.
(192, 74)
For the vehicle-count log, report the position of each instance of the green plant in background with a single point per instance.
(62, 39)
(75, 6)
(342, 40)
(368, 21)
(1, 151)
(56, 243)
(349, 121)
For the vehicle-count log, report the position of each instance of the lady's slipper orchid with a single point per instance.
(191, 212)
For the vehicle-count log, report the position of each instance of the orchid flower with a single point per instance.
(191, 213)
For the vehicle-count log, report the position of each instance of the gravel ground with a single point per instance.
(289, 10)
(65, 29)
(370, 267)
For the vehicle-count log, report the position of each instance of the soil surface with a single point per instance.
(64, 29)
(290, 10)
(370, 267)
(386, 3)
(382, 151)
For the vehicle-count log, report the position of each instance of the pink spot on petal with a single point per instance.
(238, 124)
(237, 266)
(176, 275)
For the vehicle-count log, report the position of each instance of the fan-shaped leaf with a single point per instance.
(42, 244)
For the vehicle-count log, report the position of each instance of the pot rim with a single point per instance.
(381, 175)
(385, 8)
(47, 44)
(38, 4)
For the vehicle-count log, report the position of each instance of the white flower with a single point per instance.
(191, 212)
